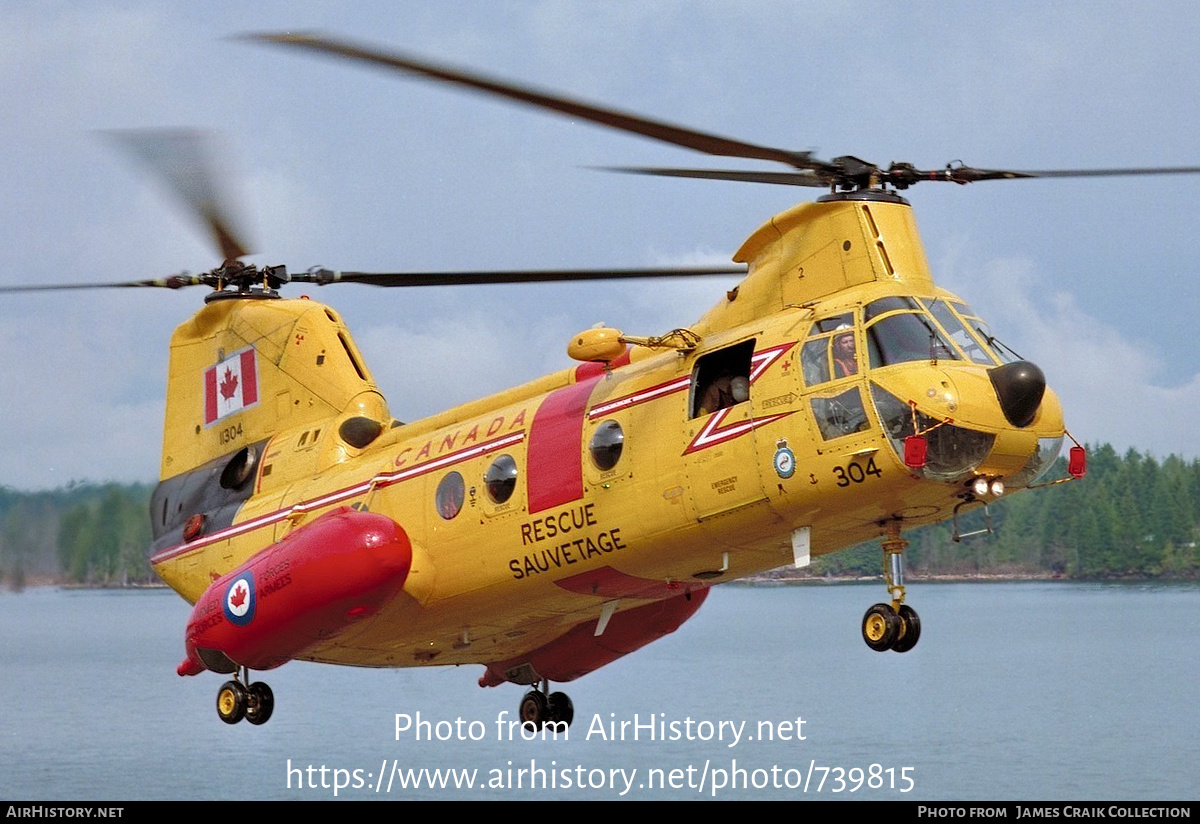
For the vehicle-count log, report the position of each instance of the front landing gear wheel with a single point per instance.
(231, 702)
(562, 711)
(260, 703)
(910, 629)
(535, 709)
(880, 627)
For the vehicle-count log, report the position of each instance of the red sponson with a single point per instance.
(303, 589)
(580, 650)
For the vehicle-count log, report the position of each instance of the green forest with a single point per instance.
(1133, 516)
(90, 534)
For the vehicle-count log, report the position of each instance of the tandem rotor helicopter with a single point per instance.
(834, 396)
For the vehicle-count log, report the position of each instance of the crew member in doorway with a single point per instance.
(725, 390)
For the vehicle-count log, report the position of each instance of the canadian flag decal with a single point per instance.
(230, 386)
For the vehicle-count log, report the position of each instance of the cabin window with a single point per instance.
(450, 494)
(606, 445)
(500, 480)
(722, 379)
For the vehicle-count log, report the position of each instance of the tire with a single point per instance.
(261, 703)
(880, 627)
(910, 631)
(231, 702)
(561, 708)
(535, 709)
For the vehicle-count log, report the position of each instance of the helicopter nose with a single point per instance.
(1019, 386)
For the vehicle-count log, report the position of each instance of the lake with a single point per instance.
(1017, 691)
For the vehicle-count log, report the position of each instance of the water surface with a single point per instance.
(1015, 692)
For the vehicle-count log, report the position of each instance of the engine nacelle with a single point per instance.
(304, 589)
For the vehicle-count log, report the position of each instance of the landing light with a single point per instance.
(983, 487)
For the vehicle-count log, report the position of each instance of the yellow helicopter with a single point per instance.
(835, 395)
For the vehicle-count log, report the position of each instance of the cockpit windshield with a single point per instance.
(979, 330)
(897, 329)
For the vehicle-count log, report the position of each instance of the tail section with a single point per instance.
(242, 371)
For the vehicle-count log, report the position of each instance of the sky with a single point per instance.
(341, 166)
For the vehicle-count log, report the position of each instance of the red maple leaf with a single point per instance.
(228, 384)
(239, 595)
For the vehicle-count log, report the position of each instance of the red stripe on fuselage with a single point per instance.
(378, 481)
(592, 369)
(555, 473)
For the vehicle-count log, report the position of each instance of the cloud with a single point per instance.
(1111, 381)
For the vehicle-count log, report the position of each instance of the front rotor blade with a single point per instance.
(904, 175)
(1164, 170)
(655, 129)
(779, 178)
(323, 277)
(187, 160)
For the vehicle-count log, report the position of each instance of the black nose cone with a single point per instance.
(1020, 387)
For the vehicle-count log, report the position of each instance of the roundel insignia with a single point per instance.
(239, 600)
(785, 462)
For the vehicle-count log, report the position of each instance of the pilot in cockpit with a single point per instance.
(845, 355)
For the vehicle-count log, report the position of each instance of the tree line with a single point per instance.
(1133, 516)
(89, 534)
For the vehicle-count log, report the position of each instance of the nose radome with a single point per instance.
(1019, 386)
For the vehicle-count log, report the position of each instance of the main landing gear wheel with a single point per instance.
(561, 708)
(231, 702)
(260, 703)
(880, 627)
(910, 629)
(537, 709)
(895, 626)
(237, 700)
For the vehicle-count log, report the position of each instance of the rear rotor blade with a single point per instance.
(172, 282)
(187, 161)
(323, 277)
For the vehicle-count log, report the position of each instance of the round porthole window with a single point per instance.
(450, 494)
(606, 445)
(501, 479)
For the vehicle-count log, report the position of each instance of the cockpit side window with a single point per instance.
(721, 379)
(831, 351)
(841, 414)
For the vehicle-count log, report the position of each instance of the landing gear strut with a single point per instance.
(235, 700)
(895, 626)
(539, 708)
